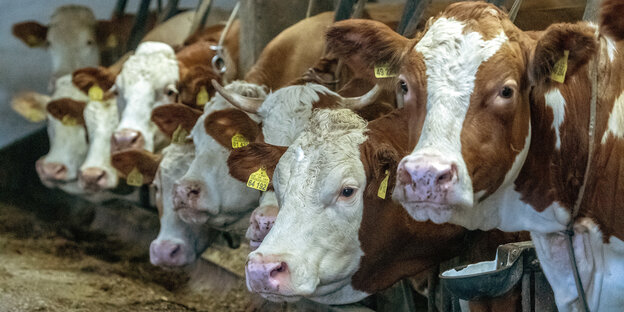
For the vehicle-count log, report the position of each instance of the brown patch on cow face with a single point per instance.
(64, 108)
(192, 81)
(224, 124)
(497, 121)
(244, 161)
(145, 162)
(169, 117)
(85, 78)
(611, 22)
(577, 38)
(32, 34)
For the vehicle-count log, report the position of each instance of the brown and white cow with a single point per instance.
(75, 39)
(66, 132)
(178, 244)
(335, 241)
(503, 144)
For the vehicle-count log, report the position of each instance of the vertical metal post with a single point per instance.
(139, 27)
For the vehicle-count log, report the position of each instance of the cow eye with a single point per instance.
(403, 86)
(347, 192)
(506, 92)
(89, 42)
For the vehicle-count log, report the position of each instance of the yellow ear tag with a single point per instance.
(383, 71)
(31, 40)
(96, 93)
(383, 187)
(560, 68)
(69, 121)
(202, 97)
(112, 42)
(259, 180)
(179, 135)
(238, 141)
(134, 178)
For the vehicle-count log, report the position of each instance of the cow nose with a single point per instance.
(127, 139)
(186, 193)
(264, 275)
(260, 223)
(427, 178)
(168, 253)
(51, 171)
(93, 179)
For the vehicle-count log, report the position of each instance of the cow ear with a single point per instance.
(382, 163)
(87, 77)
(171, 116)
(30, 105)
(224, 124)
(611, 21)
(67, 110)
(145, 162)
(105, 34)
(362, 44)
(32, 34)
(577, 39)
(244, 161)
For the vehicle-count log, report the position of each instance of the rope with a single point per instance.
(577, 205)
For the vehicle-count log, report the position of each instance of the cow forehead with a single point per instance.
(153, 62)
(176, 160)
(328, 146)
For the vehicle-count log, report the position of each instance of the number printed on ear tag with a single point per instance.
(238, 141)
(383, 71)
(96, 93)
(259, 180)
(560, 68)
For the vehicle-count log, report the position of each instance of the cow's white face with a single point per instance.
(313, 249)
(141, 86)
(71, 40)
(68, 143)
(222, 201)
(475, 134)
(97, 172)
(178, 243)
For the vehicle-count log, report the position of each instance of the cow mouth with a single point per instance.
(279, 298)
(429, 211)
(192, 215)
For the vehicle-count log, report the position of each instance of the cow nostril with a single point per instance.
(174, 251)
(194, 192)
(282, 267)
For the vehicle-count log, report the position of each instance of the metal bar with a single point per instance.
(139, 27)
(170, 10)
(120, 8)
(591, 11)
(412, 16)
(344, 9)
(201, 15)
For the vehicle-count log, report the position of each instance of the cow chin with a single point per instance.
(423, 211)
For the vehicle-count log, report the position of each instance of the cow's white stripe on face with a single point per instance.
(141, 82)
(616, 120)
(101, 118)
(452, 58)
(68, 146)
(554, 99)
(316, 231)
(611, 48)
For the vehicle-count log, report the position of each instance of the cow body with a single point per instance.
(504, 145)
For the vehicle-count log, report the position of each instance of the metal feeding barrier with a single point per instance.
(516, 266)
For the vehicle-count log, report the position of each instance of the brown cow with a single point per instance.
(504, 117)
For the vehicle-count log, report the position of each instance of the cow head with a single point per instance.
(142, 83)
(204, 193)
(466, 82)
(71, 38)
(284, 267)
